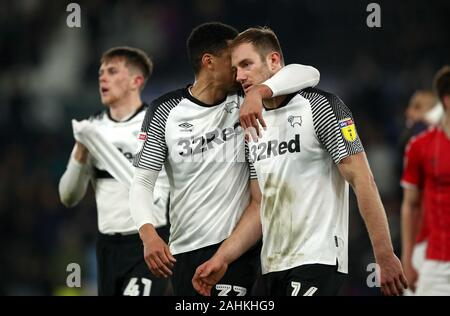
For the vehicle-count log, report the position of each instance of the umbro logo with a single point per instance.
(230, 106)
(186, 125)
(293, 120)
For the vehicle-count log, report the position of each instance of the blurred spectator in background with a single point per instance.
(421, 102)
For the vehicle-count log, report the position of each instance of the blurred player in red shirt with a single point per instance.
(426, 184)
(420, 104)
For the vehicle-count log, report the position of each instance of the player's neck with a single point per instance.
(274, 102)
(123, 108)
(207, 91)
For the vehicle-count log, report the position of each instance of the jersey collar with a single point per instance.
(187, 95)
(139, 110)
(288, 99)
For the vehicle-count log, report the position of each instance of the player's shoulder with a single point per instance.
(423, 138)
(98, 116)
(163, 105)
(320, 97)
(169, 99)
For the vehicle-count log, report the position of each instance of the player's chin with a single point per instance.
(105, 100)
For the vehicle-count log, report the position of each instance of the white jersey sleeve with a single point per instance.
(292, 78)
(141, 197)
(333, 124)
(73, 184)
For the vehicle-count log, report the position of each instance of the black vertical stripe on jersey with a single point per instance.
(251, 168)
(327, 111)
(154, 152)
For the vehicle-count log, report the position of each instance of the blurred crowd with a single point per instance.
(49, 76)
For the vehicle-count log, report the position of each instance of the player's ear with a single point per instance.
(446, 102)
(207, 60)
(138, 81)
(274, 61)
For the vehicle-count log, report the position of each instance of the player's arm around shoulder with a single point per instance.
(290, 79)
(356, 170)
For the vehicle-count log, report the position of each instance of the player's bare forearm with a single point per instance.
(411, 213)
(247, 232)
(410, 217)
(357, 172)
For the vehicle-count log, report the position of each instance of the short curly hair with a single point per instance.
(212, 38)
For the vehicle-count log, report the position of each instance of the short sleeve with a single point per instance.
(412, 166)
(334, 124)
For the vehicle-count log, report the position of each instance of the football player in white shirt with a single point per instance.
(304, 162)
(121, 267)
(194, 132)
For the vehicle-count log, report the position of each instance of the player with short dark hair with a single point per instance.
(121, 267)
(194, 132)
(304, 162)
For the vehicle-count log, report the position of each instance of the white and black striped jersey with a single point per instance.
(304, 210)
(112, 197)
(202, 148)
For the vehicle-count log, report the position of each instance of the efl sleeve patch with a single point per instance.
(348, 129)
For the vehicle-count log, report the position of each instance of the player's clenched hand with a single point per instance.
(207, 275)
(392, 278)
(157, 255)
(81, 153)
(251, 114)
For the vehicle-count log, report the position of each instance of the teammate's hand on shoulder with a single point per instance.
(393, 281)
(250, 114)
(208, 274)
(81, 153)
(157, 255)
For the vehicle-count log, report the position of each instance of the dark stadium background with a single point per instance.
(49, 76)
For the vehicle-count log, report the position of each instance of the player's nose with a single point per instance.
(240, 76)
(102, 78)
